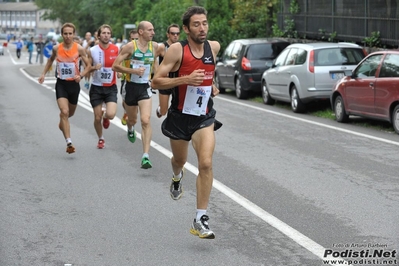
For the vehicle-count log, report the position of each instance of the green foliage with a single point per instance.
(294, 7)
(219, 30)
(374, 40)
(228, 19)
(276, 31)
(253, 18)
(289, 29)
(161, 16)
(322, 33)
(332, 37)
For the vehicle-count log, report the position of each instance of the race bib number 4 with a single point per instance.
(196, 100)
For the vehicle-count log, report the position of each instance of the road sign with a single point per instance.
(126, 28)
(48, 50)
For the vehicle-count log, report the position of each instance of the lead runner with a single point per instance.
(191, 115)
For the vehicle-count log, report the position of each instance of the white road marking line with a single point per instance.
(312, 122)
(284, 228)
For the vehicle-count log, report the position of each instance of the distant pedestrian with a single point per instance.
(29, 46)
(39, 48)
(19, 45)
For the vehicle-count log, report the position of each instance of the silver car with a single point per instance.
(306, 72)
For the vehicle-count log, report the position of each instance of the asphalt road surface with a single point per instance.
(289, 189)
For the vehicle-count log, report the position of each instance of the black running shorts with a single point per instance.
(165, 92)
(182, 126)
(67, 89)
(136, 92)
(100, 94)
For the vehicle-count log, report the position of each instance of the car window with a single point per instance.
(301, 57)
(368, 67)
(390, 66)
(227, 52)
(236, 50)
(291, 57)
(261, 51)
(281, 58)
(338, 56)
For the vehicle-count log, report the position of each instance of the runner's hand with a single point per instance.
(196, 77)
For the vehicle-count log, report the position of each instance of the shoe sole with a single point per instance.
(195, 232)
(177, 198)
(70, 150)
(146, 166)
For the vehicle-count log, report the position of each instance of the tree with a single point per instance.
(253, 18)
(219, 14)
(161, 16)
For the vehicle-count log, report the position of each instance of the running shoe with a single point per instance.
(201, 228)
(123, 120)
(145, 163)
(87, 85)
(131, 135)
(101, 144)
(70, 148)
(176, 189)
(105, 123)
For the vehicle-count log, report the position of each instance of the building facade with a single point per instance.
(25, 18)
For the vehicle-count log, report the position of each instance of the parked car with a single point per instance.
(243, 62)
(1, 49)
(371, 90)
(303, 73)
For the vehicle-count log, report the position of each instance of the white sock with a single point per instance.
(145, 155)
(199, 214)
(132, 129)
(177, 177)
(68, 140)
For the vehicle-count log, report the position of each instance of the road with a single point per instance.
(288, 188)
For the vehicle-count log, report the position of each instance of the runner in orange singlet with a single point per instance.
(68, 53)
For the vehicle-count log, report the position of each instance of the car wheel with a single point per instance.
(296, 103)
(265, 94)
(216, 80)
(395, 119)
(339, 110)
(240, 93)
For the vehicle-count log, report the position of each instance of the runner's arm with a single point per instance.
(86, 61)
(125, 53)
(49, 63)
(171, 63)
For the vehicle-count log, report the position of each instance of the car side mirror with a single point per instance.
(269, 64)
(348, 73)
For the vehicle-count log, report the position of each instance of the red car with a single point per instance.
(371, 90)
